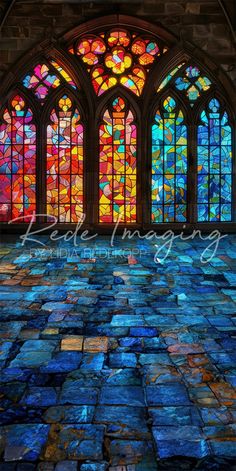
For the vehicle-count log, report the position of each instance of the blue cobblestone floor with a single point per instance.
(110, 361)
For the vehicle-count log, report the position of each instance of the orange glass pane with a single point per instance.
(117, 165)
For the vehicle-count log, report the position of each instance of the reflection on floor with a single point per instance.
(112, 361)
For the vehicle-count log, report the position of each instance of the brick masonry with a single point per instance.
(200, 22)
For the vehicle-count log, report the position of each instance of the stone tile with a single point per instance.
(169, 394)
(57, 306)
(143, 332)
(73, 393)
(69, 414)
(123, 421)
(39, 396)
(75, 442)
(29, 334)
(132, 395)
(125, 376)
(92, 362)
(129, 452)
(31, 359)
(181, 441)
(24, 441)
(216, 416)
(223, 448)
(62, 362)
(95, 344)
(224, 393)
(172, 416)
(155, 359)
(121, 360)
(127, 320)
(157, 374)
(71, 342)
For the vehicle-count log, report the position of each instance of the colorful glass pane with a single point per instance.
(41, 80)
(169, 77)
(192, 83)
(101, 81)
(189, 81)
(89, 49)
(169, 165)
(118, 58)
(118, 38)
(214, 151)
(146, 50)
(63, 73)
(135, 81)
(117, 164)
(65, 163)
(17, 162)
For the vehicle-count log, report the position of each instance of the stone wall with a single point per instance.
(200, 22)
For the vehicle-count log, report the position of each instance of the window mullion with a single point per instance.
(192, 173)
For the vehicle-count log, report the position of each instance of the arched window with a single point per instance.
(169, 164)
(65, 162)
(112, 125)
(117, 164)
(17, 161)
(214, 152)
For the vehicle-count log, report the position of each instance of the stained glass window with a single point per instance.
(65, 163)
(17, 161)
(117, 164)
(214, 152)
(118, 57)
(169, 164)
(188, 80)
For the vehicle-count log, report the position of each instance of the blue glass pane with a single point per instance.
(169, 165)
(214, 154)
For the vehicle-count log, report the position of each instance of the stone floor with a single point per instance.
(111, 361)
